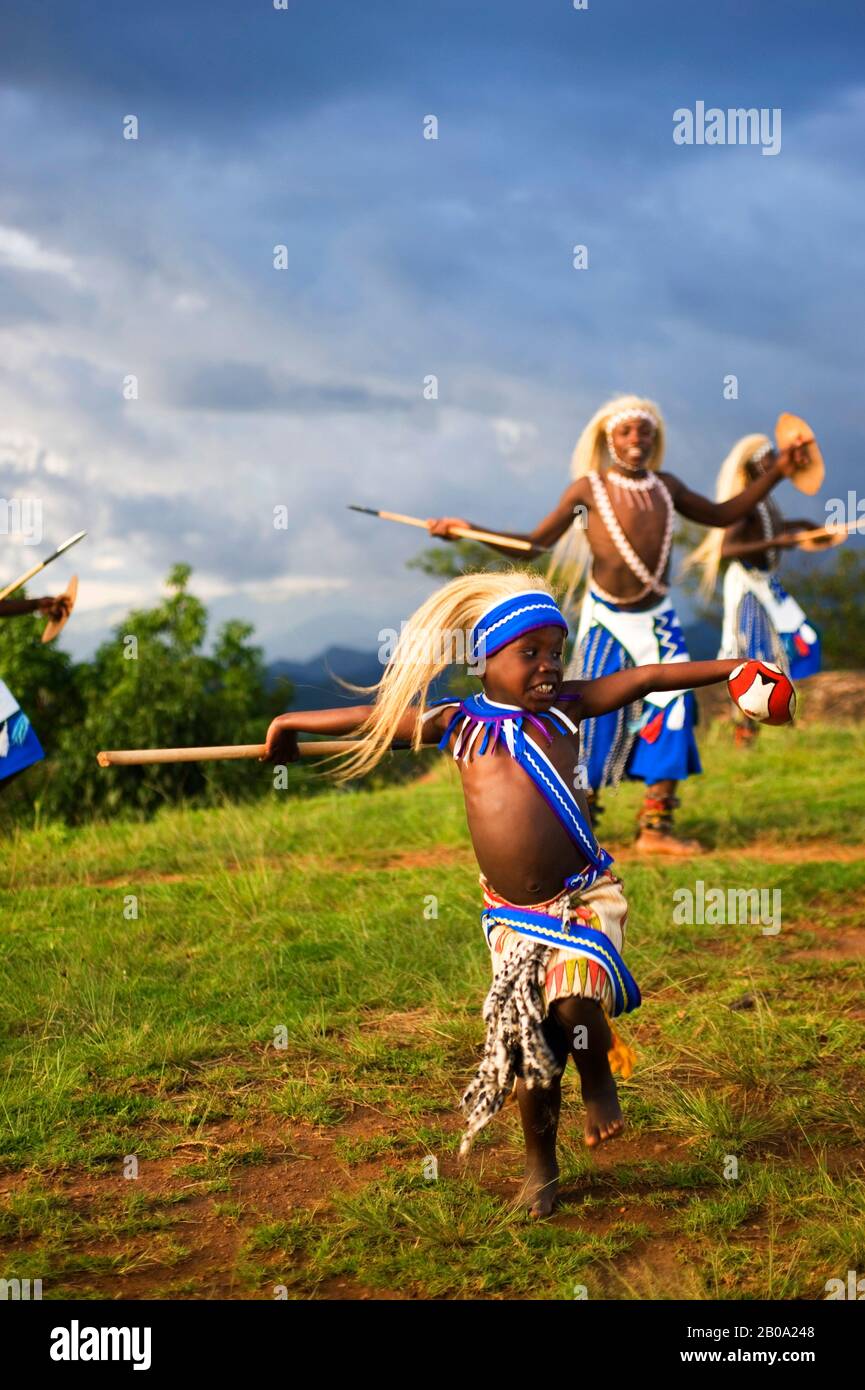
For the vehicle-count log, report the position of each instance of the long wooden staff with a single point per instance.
(61, 549)
(465, 532)
(133, 757)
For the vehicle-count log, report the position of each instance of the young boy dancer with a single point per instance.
(554, 913)
(761, 620)
(616, 519)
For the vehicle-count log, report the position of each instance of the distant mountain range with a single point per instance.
(316, 685)
(314, 681)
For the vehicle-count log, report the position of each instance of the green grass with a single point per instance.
(280, 1036)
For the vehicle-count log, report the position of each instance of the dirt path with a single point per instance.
(300, 1172)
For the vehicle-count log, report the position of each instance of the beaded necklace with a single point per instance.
(636, 490)
(767, 524)
(651, 581)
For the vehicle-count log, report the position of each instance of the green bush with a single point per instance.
(150, 685)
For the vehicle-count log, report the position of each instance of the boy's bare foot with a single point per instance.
(604, 1119)
(540, 1189)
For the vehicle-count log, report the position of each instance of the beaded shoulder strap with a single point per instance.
(479, 723)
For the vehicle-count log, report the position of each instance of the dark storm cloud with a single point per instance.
(224, 60)
(409, 257)
(253, 387)
(196, 529)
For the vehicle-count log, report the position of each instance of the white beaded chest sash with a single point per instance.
(652, 582)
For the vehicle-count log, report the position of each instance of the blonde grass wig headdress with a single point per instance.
(426, 647)
(571, 553)
(732, 478)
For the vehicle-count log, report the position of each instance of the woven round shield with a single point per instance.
(791, 430)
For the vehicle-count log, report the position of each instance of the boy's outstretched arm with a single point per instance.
(609, 693)
(281, 741)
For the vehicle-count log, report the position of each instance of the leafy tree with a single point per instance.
(449, 559)
(41, 676)
(150, 685)
(833, 596)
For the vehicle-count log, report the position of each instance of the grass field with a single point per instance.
(279, 1039)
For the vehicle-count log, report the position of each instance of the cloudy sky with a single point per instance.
(406, 257)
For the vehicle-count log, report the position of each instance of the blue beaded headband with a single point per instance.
(506, 621)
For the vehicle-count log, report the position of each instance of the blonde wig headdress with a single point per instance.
(571, 553)
(441, 631)
(732, 478)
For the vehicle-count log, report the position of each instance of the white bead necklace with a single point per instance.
(651, 582)
(636, 490)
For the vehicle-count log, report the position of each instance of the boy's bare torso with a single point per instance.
(522, 848)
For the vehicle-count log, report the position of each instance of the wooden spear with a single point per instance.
(464, 532)
(61, 550)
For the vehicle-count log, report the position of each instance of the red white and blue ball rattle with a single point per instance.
(763, 692)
